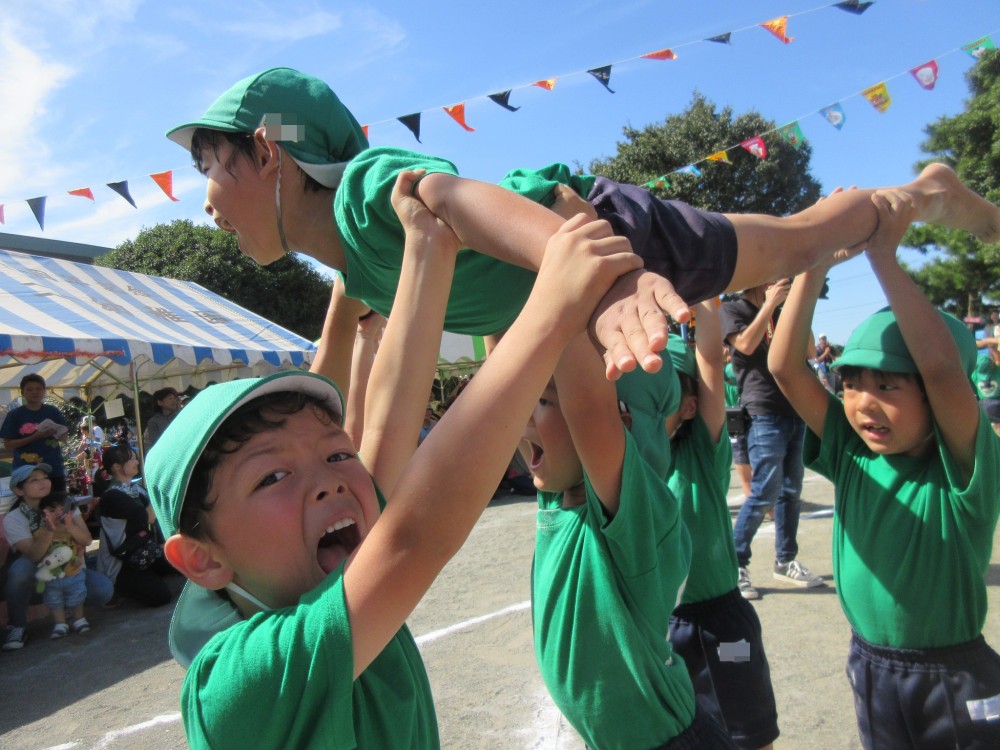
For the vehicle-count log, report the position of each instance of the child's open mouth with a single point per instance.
(536, 456)
(337, 543)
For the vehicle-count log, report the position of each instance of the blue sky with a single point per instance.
(88, 90)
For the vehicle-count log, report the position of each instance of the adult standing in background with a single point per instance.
(168, 403)
(33, 431)
(774, 437)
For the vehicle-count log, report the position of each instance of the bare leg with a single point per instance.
(743, 473)
(773, 247)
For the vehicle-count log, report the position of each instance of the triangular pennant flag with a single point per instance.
(166, 182)
(548, 84)
(663, 54)
(122, 189)
(777, 27)
(854, 6)
(721, 38)
(457, 113)
(756, 146)
(689, 169)
(364, 129)
(793, 134)
(926, 74)
(503, 99)
(722, 156)
(603, 75)
(83, 193)
(659, 182)
(412, 123)
(834, 115)
(978, 47)
(878, 95)
(37, 206)
(1, 213)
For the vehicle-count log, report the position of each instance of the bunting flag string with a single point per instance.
(37, 206)
(83, 193)
(457, 113)
(165, 181)
(122, 189)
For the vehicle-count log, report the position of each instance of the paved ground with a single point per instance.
(117, 686)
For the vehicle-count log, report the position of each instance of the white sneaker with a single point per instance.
(798, 574)
(747, 591)
(15, 639)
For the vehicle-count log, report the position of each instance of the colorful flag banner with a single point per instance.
(756, 146)
(854, 6)
(689, 169)
(793, 134)
(834, 115)
(721, 38)
(364, 129)
(777, 27)
(122, 189)
(82, 193)
(659, 182)
(37, 206)
(926, 74)
(603, 76)
(878, 95)
(165, 180)
(548, 84)
(663, 54)
(978, 47)
(412, 123)
(503, 99)
(722, 156)
(457, 113)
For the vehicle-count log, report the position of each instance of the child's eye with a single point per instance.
(886, 387)
(341, 456)
(544, 402)
(272, 478)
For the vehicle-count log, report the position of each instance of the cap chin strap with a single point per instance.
(237, 589)
(277, 208)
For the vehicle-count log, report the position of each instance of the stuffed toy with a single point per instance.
(53, 565)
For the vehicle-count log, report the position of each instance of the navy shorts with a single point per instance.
(704, 733)
(720, 642)
(992, 408)
(694, 249)
(926, 698)
(741, 455)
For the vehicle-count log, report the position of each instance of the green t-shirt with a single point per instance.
(699, 479)
(285, 679)
(651, 398)
(987, 378)
(732, 386)
(602, 594)
(486, 294)
(910, 546)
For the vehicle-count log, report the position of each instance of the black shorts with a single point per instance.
(992, 408)
(704, 733)
(741, 455)
(926, 698)
(694, 249)
(720, 642)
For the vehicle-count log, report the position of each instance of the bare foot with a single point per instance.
(943, 199)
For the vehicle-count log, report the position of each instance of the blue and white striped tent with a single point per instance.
(92, 331)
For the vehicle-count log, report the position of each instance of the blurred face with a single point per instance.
(169, 403)
(889, 412)
(33, 393)
(131, 467)
(548, 446)
(291, 505)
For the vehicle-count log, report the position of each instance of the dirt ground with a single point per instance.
(117, 687)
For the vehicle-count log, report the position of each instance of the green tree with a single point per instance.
(290, 292)
(962, 270)
(778, 185)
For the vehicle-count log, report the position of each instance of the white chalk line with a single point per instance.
(436, 634)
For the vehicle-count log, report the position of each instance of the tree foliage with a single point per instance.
(962, 270)
(289, 292)
(778, 185)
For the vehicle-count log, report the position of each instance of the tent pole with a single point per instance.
(134, 375)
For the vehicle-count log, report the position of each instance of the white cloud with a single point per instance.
(278, 25)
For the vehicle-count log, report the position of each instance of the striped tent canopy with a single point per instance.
(87, 330)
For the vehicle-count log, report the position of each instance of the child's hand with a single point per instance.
(54, 519)
(896, 212)
(416, 218)
(581, 262)
(568, 204)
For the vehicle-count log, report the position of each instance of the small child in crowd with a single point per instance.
(67, 590)
(333, 205)
(916, 468)
(318, 558)
(611, 556)
(714, 629)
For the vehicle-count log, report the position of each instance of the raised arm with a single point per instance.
(952, 401)
(711, 368)
(336, 346)
(747, 340)
(438, 498)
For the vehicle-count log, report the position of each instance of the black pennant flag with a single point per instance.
(122, 189)
(37, 206)
(503, 99)
(721, 38)
(412, 123)
(854, 6)
(603, 74)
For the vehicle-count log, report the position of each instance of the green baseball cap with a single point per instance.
(201, 613)
(682, 356)
(297, 110)
(877, 344)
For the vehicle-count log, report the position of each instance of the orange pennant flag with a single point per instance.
(166, 182)
(878, 95)
(457, 112)
(663, 54)
(83, 193)
(364, 129)
(777, 27)
(548, 84)
(719, 156)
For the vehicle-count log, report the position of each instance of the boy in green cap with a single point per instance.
(916, 468)
(261, 493)
(713, 628)
(332, 203)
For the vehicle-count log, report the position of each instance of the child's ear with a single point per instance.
(689, 407)
(197, 562)
(265, 152)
